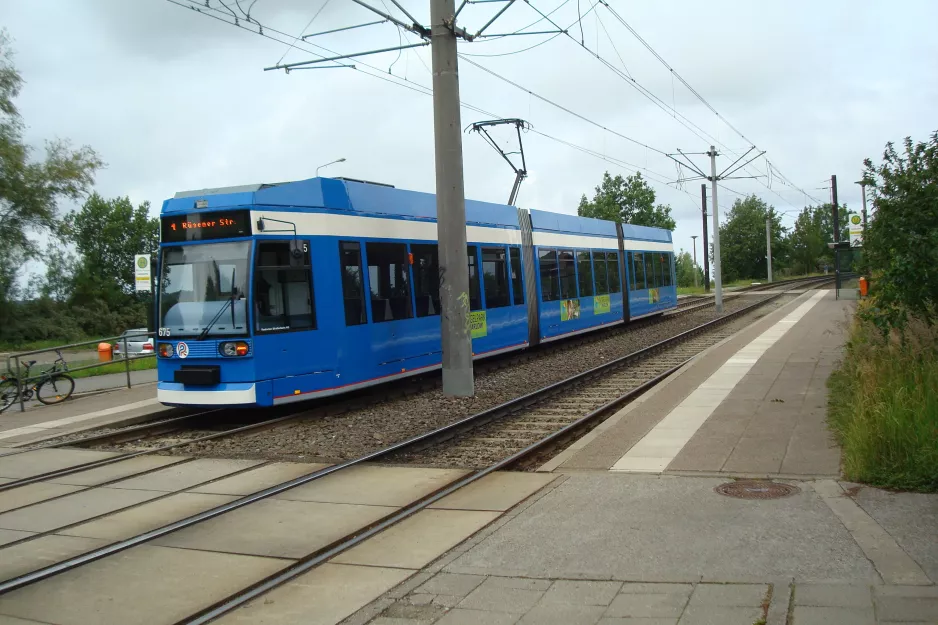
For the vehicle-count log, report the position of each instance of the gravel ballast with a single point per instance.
(345, 436)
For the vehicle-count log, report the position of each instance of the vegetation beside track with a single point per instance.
(884, 406)
(117, 366)
(884, 398)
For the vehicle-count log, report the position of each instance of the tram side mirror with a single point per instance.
(297, 250)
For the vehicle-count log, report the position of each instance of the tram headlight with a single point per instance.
(233, 348)
(166, 350)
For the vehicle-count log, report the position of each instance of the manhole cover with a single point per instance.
(756, 489)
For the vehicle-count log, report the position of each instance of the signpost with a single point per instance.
(856, 230)
(142, 272)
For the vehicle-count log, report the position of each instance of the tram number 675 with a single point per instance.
(163, 332)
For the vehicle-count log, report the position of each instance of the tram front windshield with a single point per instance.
(203, 290)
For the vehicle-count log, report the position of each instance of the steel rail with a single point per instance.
(440, 433)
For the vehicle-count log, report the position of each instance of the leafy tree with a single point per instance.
(30, 190)
(742, 240)
(107, 234)
(685, 270)
(901, 242)
(626, 200)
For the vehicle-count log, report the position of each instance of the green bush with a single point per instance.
(884, 406)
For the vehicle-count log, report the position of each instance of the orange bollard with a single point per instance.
(864, 286)
(104, 352)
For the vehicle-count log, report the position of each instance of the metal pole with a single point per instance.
(768, 244)
(126, 361)
(836, 234)
(450, 205)
(703, 203)
(863, 191)
(694, 238)
(20, 383)
(717, 276)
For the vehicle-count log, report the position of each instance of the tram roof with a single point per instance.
(379, 199)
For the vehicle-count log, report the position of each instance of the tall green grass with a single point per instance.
(884, 407)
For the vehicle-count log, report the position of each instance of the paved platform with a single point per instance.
(634, 532)
(116, 407)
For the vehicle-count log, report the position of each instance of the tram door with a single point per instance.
(286, 334)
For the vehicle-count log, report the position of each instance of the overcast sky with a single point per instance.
(175, 100)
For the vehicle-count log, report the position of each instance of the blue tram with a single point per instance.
(276, 293)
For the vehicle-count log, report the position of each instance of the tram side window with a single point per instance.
(517, 286)
(599, 264)
(567, 275)
(550, 281)
(612, 262)
(495, 277)
(584, 270)
(426, 279)
(389, 280)
(665, 262)
(283, 295)
(353, 287)
(638, 270)
(475, 293)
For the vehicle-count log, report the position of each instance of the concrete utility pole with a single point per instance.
(694, 237)
(836, 233)
(706, 251)
(768, 244)
(717, 277)
(450, 204)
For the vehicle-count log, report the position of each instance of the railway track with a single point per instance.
(581, 400)
(203, 427)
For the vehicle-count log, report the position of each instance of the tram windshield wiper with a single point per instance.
(204, 333)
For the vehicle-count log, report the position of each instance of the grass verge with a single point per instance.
(136, 364)
(883, 407)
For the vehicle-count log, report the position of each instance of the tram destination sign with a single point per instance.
(203, 226)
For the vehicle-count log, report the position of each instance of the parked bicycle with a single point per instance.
(52, 386)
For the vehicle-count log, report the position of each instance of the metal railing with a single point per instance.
(14, 360)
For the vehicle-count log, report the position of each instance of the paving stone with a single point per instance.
(41, 552)
(517, 582)
(729, 595)
(641, 605)
(384, 620)
(118, 470)
(563, 614)
(834, 596)
(12, 620)
(907, 608)
(276, 527)
(460, 616)
(324, 596)
(186, 475)
(42, 461)
(447, 601)
(420, 599)
(10, 536)
(905, 591)
(33, 493)
(808, 615)
(646, 588)
(451, 584)
(374, 485)
(637, 621)
(258, 478)
(418, 540)
(581, 592)
(419, 613)
(141, 586)
(501, 599)
(719, 615)
(146, 516)
(496, 491)
(73, 508)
